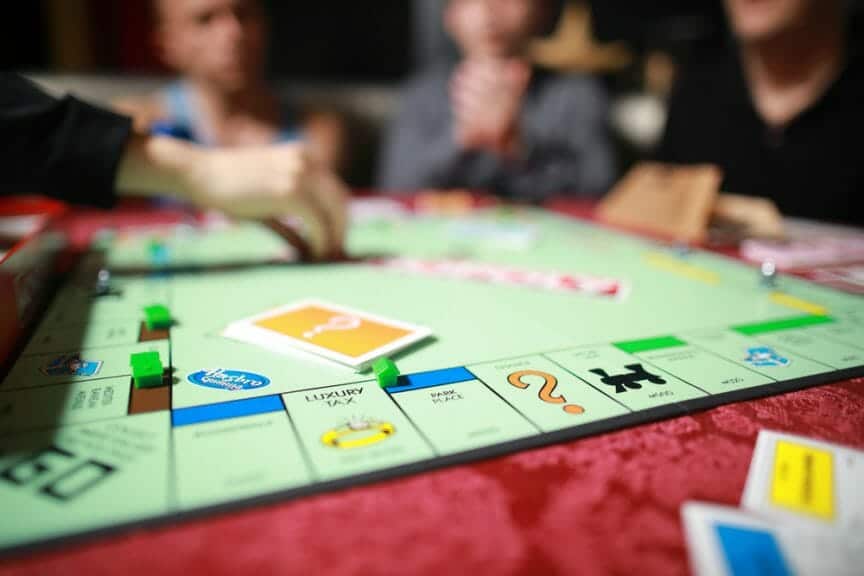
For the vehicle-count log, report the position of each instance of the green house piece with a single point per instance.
(386, 372)
(157, 317)
(146, 369)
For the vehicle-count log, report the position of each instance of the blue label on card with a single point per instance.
(751, 552)
(232, 380)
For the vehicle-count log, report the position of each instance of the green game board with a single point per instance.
(545, 329)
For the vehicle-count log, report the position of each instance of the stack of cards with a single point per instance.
(802, 513)
(347, 336)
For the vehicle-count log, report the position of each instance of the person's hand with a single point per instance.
(271, 183)
(486, 100)
(268, 183)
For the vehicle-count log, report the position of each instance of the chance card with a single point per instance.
(341, 334)
(724, 541)
(792, 477)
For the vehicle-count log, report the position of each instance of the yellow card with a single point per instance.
(803, 479)
(342, 334)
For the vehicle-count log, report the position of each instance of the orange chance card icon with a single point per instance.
(341, 332)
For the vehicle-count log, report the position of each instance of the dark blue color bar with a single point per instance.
(226, 410)
(430, 379)
(752, 552)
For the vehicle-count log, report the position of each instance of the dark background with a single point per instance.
(325, 39)
(370, 41)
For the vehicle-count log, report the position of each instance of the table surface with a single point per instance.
(602, 505)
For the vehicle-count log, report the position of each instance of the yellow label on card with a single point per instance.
(803, 479)
(333, 330)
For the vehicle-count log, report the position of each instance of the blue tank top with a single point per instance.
(183, 121)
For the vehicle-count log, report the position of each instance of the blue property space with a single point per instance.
(226, 410)
(430, 379)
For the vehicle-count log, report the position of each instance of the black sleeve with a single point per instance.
(659, 24)
(676, 133)
(706, 91)
(65, 148)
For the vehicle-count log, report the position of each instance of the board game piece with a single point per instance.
(103, 283)
(146, 369)
(157, 317)
(768, 274)
(386, 372)
(159, 254)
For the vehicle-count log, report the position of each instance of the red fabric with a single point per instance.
(602, 505)
(30, 205)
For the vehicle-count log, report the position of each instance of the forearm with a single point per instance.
(250, 182)
(83, 154)
(156, 165)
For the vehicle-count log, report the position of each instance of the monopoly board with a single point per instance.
(543, 329)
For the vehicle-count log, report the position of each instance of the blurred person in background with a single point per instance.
(493, 121)
(778, 105)
(222, 97)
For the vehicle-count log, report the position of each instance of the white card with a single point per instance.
(792, 477)
(723, 541)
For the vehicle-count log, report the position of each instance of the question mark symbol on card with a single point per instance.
(547, 390)
(335, 324)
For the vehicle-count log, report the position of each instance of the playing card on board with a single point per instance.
(792, 477)
(347, 336)
(723, 541)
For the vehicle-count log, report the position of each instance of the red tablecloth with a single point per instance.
(602, 505)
